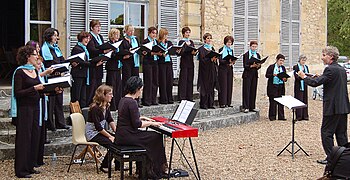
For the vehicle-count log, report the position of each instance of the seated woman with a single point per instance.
(99, 115)
(129, 121)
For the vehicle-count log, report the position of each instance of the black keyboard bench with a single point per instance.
(127, 154)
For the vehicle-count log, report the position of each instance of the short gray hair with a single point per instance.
(302, 56)
(331, 51)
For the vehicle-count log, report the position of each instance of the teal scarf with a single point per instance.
(88, 57)
(45, 99)
(97, 37)
(208, 46)
(13, 98)
(277, 70)
(252, 53)
(134, 44)
(186, 39)
(226, 51)
(165, 46)
(302, 86)
(45, 51)
(155, 57)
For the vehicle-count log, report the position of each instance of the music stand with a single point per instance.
(292, 104)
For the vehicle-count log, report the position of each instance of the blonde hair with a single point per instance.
(162, 33)
(127, 27)
(112, 33)
(100, 96)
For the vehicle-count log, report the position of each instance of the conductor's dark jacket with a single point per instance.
(335, 91)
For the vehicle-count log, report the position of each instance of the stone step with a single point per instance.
(63, 146)
(8, 134)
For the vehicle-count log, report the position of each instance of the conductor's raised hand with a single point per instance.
(39, 87)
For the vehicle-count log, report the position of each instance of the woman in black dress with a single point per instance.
(52, 54)
(98, 117)
(300, 88)
(25, 110)
(207, 74)
(250, 77)
(185, 88)
(225, 73)
(80, 73)
(129, 121)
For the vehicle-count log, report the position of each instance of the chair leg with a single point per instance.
(130, 168)
(94, 147)
(71, 160)
(83, 158)
(122, 169)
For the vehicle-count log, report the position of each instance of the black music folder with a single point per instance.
(60, 68)
(127, 52)
(145, 47)
(62, 82)
(228, 57)
(99, 58)
(158, 48)
(253, 60)
(108, 45)
(78, 58)
(283, 75)
(212, 54)
(174, 49)
(190, 48)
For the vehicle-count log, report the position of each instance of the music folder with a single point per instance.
(212, 54)
(108, 45)
(185, 112)
(78, 58)
(290, 102)
(145, 47)
(62, 82)
(174, 49)
(99, 58)
(63, 67)
(253, 60)
(158, 48)
(230, 57)
(283, 75)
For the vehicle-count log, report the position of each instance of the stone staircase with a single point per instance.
(61, 139)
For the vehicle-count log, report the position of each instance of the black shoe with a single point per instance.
(229, 106)
(322, 161)
(203, 107)
(104, 170)
(33, 171)
(52, 129)
(25, 176)
(171, 102)
(222, 106)
(155, 104)
(271, 119)
(212, 107)
(282, 119)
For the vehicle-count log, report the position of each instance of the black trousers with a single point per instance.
(95, 82)
(27, 140)
(42, 139)
(78, 91)
(301, 113)
(150, 88)
(166, 83)
(250, 84)
(207, 100)
(336, 124)
(105, 142)
(185, 87)
(226, 83)
(55, 108)
(128, 70)
(114, 80)
(279, 89)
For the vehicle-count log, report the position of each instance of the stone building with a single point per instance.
(290, 27)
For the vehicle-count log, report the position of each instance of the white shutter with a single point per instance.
(290, 31)
(98, 9)
(245, 27)
(168, 17)
(75, 22)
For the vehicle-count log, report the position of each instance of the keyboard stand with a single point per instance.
(193, 155)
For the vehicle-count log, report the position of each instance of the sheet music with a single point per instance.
(117, 44)
(80, 55)
(55, 66)
(134, 50)
(183, 111)
(109, 54)
(148, 45)
(290, 101)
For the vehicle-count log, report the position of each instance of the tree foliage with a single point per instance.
(339, 25)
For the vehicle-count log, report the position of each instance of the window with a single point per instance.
(39, 15)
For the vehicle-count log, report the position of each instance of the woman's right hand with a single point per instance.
(39, 87)
(156, 124)
(126, 57)
(111, 138)
(99, 63)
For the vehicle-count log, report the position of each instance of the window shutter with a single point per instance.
(168, 17)
(98, 9)
(290, 31)
(246, 27)
(75, 22)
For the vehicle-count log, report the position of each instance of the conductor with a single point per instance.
(336, 105)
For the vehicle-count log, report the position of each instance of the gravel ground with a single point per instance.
(247, 151)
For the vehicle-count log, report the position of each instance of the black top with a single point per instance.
(81, 69)
(271, 92)
(335, 91)
(128, 115)
(148, 58)
(112, 63)
(161, 59)
(186, 60)
(248, 71)
(126, 46)
(24, 90)
(94, 52)
(56, 60)
(96, 116)
(224, 63)
(207, 74)
(297, 84)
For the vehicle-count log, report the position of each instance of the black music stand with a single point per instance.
(292, 104)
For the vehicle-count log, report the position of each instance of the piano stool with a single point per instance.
(127, 154)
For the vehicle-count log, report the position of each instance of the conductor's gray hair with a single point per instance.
(331, 51)
(302, 56)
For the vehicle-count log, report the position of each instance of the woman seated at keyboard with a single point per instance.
(127, 133)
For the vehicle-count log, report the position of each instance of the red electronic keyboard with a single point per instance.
(174, 129)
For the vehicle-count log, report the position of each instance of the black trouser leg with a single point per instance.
(253, 88)
(223, 86)
(155, 83)
(229, 85)
(59, 116)
(162, 84)
(147, 88)
(169, 82)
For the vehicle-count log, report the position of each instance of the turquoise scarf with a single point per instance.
(155, 57)
(165, 46)
(277, 70)
(88, 57)
(134, 44)
(13, 98)
(252, 53)
(45, 99)
(227, 51)
(208, 46)
(45, 50)
(186, 39)
(302, 86)
(97, 37)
